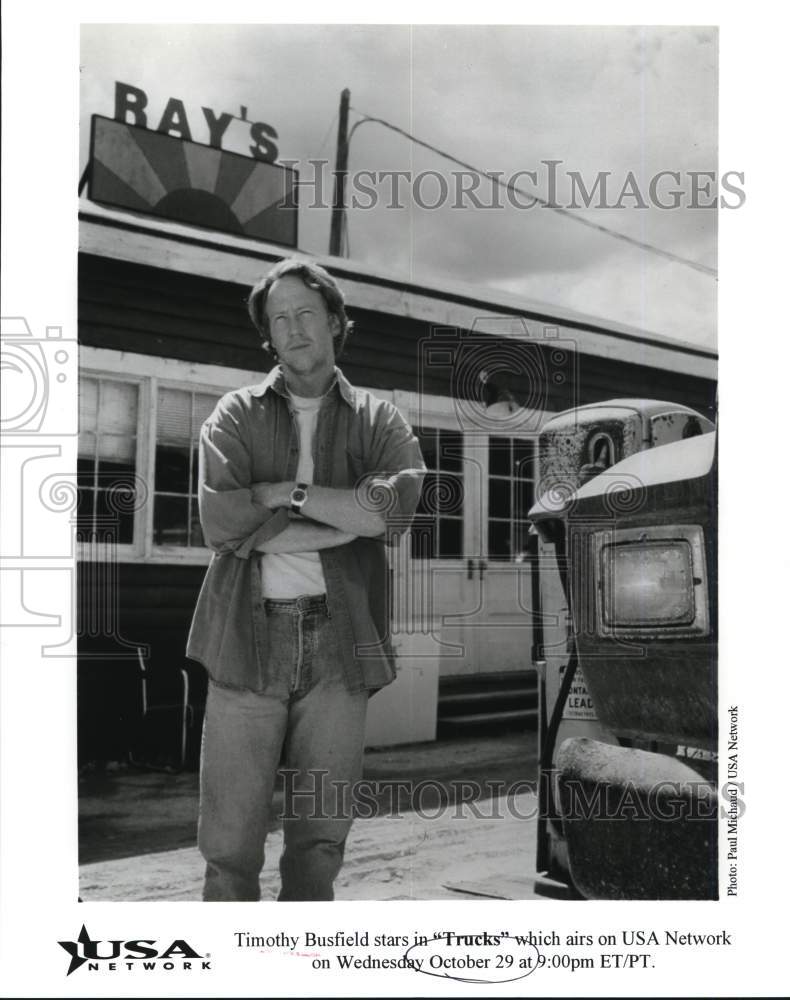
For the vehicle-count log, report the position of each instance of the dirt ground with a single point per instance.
(459, 824)
(126, 811)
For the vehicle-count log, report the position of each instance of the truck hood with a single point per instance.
(668, 463)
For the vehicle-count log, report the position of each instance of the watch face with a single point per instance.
(298, 496)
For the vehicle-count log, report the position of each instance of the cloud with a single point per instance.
(664, 298)
(504, 98)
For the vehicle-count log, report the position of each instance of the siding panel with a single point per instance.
(147, 310)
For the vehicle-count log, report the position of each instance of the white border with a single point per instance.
(37, 826)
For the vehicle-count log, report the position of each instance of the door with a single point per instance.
(464, 577)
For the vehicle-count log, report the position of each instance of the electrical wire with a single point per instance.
(326, 137)
(649, 247)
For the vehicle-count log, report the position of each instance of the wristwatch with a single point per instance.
(298, 497)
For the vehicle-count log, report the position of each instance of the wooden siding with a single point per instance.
(213, 257)
(126, 306)
(154, 606)
(146, 310)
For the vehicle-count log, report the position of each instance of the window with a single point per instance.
(437, 530)
(179, 416)
(107, 458)
(137, 469)
(511, 489)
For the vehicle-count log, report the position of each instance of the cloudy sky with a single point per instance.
(506, 99)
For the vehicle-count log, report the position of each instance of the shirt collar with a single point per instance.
(275, 381)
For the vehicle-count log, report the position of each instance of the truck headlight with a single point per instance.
(648, 583)
(652, 580)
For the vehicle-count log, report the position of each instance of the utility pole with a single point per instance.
(341, 169)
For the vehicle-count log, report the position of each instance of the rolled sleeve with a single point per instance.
(394, 488)
(232, 521)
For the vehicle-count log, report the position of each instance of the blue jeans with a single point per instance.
(309, 721)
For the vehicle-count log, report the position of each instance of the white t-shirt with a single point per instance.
(297, 574)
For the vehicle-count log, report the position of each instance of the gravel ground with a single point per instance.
(443, 854)
(436, 838)
(126, 811)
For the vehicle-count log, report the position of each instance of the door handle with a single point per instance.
(482, 566)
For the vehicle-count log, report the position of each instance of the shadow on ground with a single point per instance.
(126, 811)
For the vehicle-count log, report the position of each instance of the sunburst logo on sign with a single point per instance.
(159, 174)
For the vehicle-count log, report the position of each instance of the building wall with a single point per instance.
(149, 310)
(160, 313)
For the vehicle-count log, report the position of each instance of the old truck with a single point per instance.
(627, 530)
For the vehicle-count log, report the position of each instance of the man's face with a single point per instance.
(301, 327)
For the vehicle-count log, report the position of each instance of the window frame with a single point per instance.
(443, 413)
(168, 553)
(514, 519)
(440, 413)
(124, 551)
(460, 476)
(151, 373)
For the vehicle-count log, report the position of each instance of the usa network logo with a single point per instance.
(113, 955)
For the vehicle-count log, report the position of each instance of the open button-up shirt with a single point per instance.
(360, 442)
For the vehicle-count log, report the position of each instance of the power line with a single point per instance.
(509, 186)
(328, 133)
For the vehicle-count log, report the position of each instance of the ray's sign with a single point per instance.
(152, 166)
(131, 107)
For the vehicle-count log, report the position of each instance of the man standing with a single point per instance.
(303, 479)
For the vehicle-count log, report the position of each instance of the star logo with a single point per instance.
(145, 950)
(72, 947)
